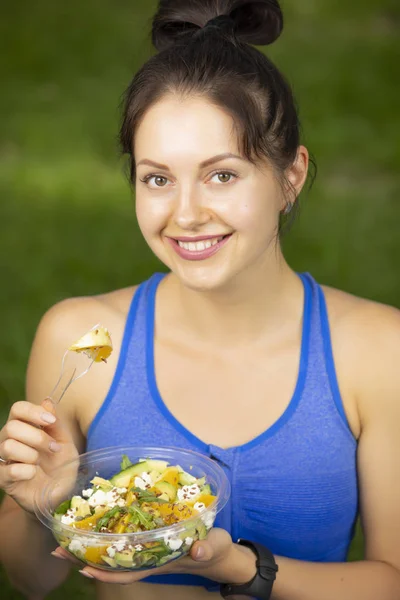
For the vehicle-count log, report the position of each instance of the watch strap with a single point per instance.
(260, 586)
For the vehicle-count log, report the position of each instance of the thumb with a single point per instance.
(202, 551)
(56, 429)
(49, 405)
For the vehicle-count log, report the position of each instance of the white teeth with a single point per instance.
(199, 246)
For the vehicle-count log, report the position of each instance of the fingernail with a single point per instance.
(48, 418)
(200, 552)
(56, 555)
(86, 574)
(54, 447)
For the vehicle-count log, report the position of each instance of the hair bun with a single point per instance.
(258, 22)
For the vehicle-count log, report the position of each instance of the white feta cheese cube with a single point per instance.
(98, 498)
(140, 483)
(69, 517)
(76, 546)
(188, 492)
(175, 543)
(188, 541)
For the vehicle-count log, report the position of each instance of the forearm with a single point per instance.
(363, 580)
(25, 547)
(301, 580)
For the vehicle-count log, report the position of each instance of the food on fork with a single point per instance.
(96, 343)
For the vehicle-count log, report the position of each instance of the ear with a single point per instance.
(296, 174)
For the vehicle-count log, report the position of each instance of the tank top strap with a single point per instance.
(322, 388)
(139, 321)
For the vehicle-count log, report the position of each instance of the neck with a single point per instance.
(260, 301)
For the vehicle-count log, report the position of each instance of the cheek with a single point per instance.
(152, 214)
(254, 215)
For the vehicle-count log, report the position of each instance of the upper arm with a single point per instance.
(379, 443)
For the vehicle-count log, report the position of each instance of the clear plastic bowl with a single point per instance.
(91, 547)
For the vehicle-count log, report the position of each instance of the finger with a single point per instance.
(57, 429)
(121, 578)
(127, 577)
(14, 451)
(30, 413)
(64, 555)
(30, 435)
(11, 474)
(201, 551)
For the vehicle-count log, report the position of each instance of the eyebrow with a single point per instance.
(205, 163)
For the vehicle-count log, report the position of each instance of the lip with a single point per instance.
(197, 254)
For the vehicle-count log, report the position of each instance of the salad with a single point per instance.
(142, 497)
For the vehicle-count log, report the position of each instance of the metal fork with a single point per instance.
(73, 367)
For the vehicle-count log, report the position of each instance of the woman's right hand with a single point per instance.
(33, 442)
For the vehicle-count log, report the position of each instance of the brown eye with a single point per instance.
(224, 177)
(160, 181)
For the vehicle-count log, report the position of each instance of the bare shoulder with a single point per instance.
(366, 340)
(73, 316)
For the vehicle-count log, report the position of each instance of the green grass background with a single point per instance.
(63, 69)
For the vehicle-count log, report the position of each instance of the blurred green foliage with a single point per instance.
(63, 69)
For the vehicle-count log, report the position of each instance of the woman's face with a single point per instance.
(206, 212)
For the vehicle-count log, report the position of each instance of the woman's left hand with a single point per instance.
(213, 558)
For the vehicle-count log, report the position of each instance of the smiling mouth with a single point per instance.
(199, 248)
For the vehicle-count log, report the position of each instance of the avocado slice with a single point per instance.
(138, 469)
(186, 479)
(168, 558)
(110, 561)
(103, 484)
(201, 530)
(125, 559)
(166, 488)
(82, 506)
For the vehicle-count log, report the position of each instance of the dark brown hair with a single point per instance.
(216, 60)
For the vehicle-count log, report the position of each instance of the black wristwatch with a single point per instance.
(260, 586)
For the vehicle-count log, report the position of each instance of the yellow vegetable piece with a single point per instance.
(206, 499)
(91, 521)
(120, 526)
(130, 498)
(170, 475)
(94, 554)
(175, 512)
(96, 343)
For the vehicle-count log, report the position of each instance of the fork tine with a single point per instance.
(71, 379)
(69, 375)
(61, 374)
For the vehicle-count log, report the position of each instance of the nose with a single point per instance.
(190, 211)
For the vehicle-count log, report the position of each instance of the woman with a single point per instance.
(230, 354)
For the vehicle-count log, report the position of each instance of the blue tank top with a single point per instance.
(294, 487)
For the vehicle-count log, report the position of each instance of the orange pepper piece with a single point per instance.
(94, 554)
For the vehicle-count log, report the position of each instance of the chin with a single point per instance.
(202, 279)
